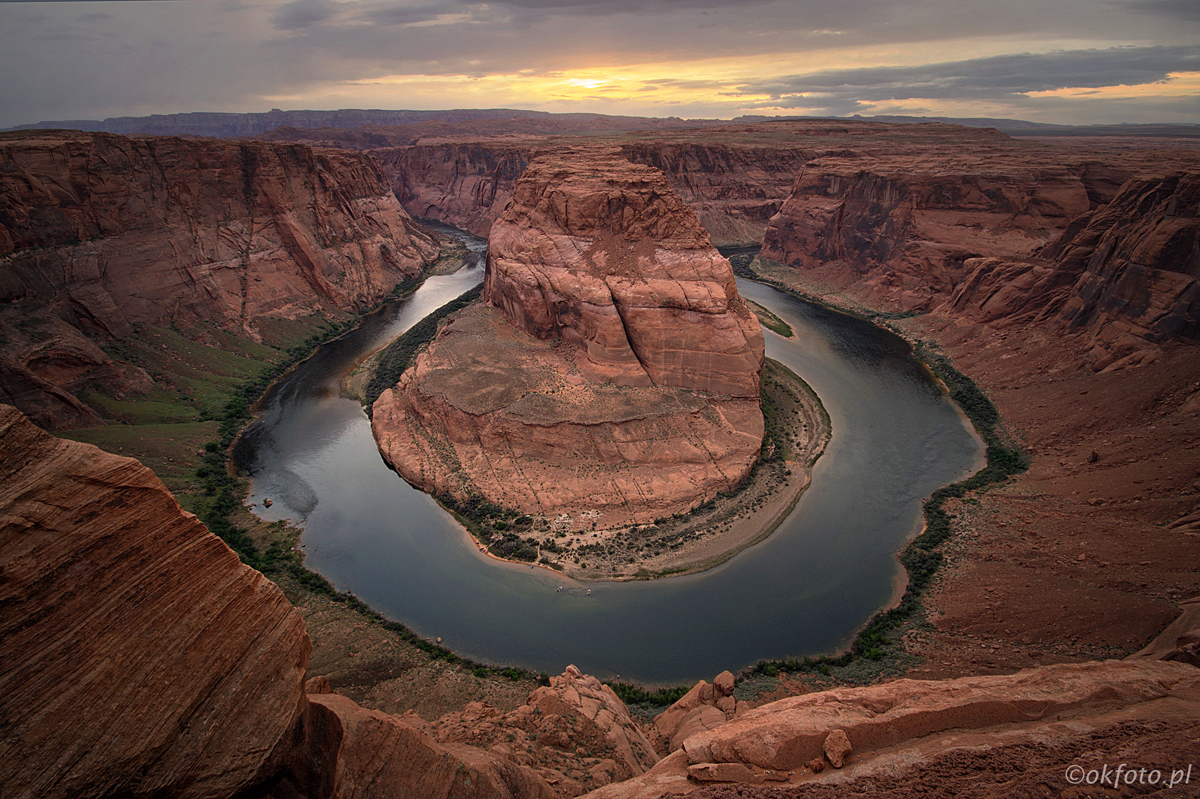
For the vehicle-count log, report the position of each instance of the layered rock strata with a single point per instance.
(733, 188)
(106, 233)
(128, 665)
(114, 231)
(614, 375)
(898, 727)
(139, 657)
(900, 229)
(997, 234)
(1127, 275)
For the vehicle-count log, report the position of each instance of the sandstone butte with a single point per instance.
(101, 234)
(613, 373)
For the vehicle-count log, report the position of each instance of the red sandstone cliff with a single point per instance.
(733, 188)
(463, 184)
(1126, 275)
(615, 376)
(105, 232)
(899, 229)
(139, 657)
(1003, 232)
(114, 231)
(128, 665)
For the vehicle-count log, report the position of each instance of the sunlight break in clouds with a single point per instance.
(1065, 61)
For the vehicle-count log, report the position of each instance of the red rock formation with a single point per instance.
(733, 188)
(114, 231)
(128, 663)
(622, 378)
(605, 255)
(896, 727)
(573, 732)
(1125, 274)
(463, 184)
(107, 232)
(139, 657)
(702, 708)
(899, 229)
(381, 756)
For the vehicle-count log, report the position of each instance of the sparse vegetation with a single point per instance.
(399, 355)
(879, 639)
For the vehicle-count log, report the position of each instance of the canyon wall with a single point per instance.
(900, 229)
(113, 231)
(612, 377)
(733, 188)
(463, 184)
(1005, 233)
(101, 234)
(140, 658)
(1125, 275)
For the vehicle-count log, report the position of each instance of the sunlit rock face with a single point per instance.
(612, 375)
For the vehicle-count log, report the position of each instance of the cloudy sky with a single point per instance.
(1073, 61)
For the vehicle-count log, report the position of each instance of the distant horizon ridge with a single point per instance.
(232, 124)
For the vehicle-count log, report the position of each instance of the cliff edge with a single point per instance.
(101, 235)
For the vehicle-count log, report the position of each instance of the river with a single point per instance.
(805, 590)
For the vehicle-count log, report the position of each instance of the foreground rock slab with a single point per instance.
(902, 724)
(140, 658)
(128, 668)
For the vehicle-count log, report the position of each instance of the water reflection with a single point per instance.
(804, 590)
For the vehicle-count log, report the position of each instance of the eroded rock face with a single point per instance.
(576, 733)
(114, 231)
(602, 253)
(733, 188)
(615, 377)
(900, 228)
(1125, 275)
(141, 658)
(704, 707)
(381, 755)
(129, 664)
(101, 233)
(466, 185)
(896, 728)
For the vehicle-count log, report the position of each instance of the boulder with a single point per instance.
(836, 747)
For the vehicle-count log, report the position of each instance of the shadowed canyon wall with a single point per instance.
(100, 234)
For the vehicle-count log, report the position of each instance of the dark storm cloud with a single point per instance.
(997, 77)
(300, 14)
(1188, 10)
